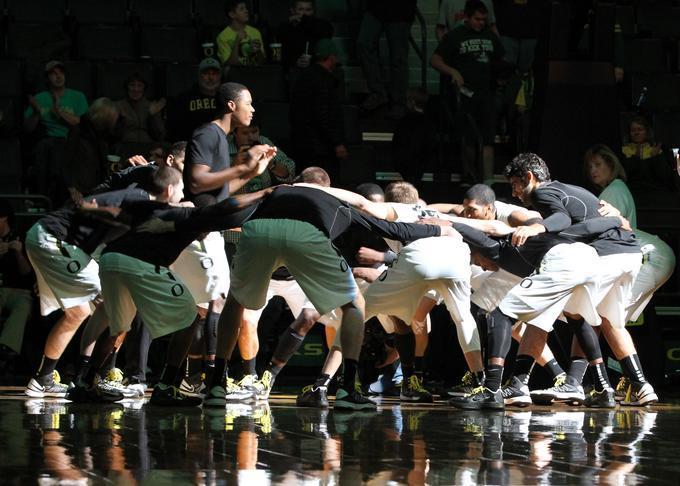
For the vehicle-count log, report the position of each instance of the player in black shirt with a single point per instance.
(135, 276)
(295, 226)
(59, 247)
(562, 205)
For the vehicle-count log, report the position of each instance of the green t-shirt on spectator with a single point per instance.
(71, 101)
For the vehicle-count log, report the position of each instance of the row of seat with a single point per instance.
(103, 42)
(156, 12)
(649, 18)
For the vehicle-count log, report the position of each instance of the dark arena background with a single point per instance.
(441, 94)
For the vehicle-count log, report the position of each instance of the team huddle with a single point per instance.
(135, 249)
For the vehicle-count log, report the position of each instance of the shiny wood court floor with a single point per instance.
(56, 442)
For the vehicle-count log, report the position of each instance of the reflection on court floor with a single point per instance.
(57, 442)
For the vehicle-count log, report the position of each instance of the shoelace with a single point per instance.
(560, 380)
(416, 384)
(114, 375)
(622, 385)
(55, 377)
(475, 391)
(466, 379)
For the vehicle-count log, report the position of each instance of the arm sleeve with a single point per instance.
(118, 180)
(555, 215)
(404, 232)
(217, 217)
(592, 227)
(487, 246)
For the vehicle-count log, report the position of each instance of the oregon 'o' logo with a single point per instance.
(177, 290)
(526, 283)
(73, 266)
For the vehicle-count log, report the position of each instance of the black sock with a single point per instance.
(169, 375)
(323, 380)
(494, 376)
(406, 346)
(418, 366)
(349, 373)
(289, 342)
(219, 373)
(577, 370)
(632, 369)
(523, 366)
(249, 366)
(47, 366)
(554, 368)
(83, 367)
(194, 367)
(599, 375)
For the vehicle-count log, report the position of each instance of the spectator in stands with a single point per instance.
(142, 118)
(317, 127)
(281, 169)
(452, 14)
(193, 108)
(239, 43)
(16, 282)
(465, 55)
(88, 159)
(413, 138)
(299, 35)
(649, 165)
(54, 111)
(394, 17)
(521, 23)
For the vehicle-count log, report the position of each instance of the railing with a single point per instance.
(421, 50)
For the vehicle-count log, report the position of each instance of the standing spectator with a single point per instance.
(281, 169)
(16, 282)
(143, 121)
(394, 18)
(88, 149)
(465, 56)
(55, 111)
(317, 127)
(413, 138)
(452, 14)
(521, 22)
(648, 164)
(240, 43)
(299, 35)
(193, 108)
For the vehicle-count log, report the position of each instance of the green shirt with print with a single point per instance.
(471, 54)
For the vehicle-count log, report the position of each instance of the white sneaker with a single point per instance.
(54, 389)
(639, 394)
(136, 389)
(193, 389)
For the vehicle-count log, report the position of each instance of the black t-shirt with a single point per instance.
(208, 146)
(163, 248)
(563, 205)
(138, 176)
(304, 35)
(187, 112)
(471, 53)
(332, 216)
(84, 231)
(10, 277)
(393, 10)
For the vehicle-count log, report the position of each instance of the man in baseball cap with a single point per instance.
(191, 109)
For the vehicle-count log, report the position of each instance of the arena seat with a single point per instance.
(110, 12)
(119, 43)
(169, 44)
